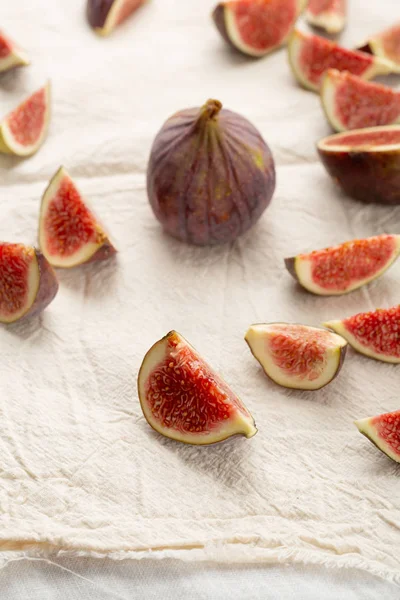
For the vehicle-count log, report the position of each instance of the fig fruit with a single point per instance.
(24, 130)
(350, 102)
(184, 399)
(384, 432)
(210, 175)
(27, 282)
(297, 356)
(365, 163)
(341, 269)
(10, 55)
(105, 15)
(375, 334)
(327, 14)
(385, 44)
(69, 233)
(257, 27)
(311, 55)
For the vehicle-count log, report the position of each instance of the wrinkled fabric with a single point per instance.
(81, 471)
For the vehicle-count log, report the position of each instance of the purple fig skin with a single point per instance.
(103, 253)
(290, 266)
(218, 16)
(210, 175)
(48, 286)
(366, 176)
(97, 12)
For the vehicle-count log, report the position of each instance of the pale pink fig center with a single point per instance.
(388, 429)
(127, 8)
(369, 138)
(27, 121)
(391, 43)
(378, 331)
(318, 7)
(15, 261)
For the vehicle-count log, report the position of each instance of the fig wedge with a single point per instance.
(341, 269)
(311, 55)
(297, 356)
(375, 334)
(27, 282)
(105, 15)
(350, 102)
(69, 232)
(365, 163)
(384, 432)
(24, 130)
(385, 44)
(329, 15)
(257, 27)
(184, 399)
(10, 55)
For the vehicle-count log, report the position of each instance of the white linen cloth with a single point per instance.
(81, 471)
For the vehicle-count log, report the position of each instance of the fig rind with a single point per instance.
(100, 248)
(316, 359)
(380, 325)
(366, 172)
(330, 18)
(384, 248)
(225, 20)
(332, 56)
(42, 286)
(16, 56)
(104, 15)
(174, 353)
(384, 432)
(8, 141)
(377, 45)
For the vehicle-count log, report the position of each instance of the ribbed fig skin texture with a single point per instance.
(210, 175)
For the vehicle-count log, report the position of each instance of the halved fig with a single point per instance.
(384, 432)
(69, 232)
(327, 14)
(375, 334)
(311, 55)
(184, 399)
(341, 269)
(257, 27)
(105, 15)
(385, 44)
(297, 356)
(27, 282)
(365, 163)
(350, 102)
(10, 55)
(24, 130)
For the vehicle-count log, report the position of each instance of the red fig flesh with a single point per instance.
(184, 399)
(384, 432)
(69, 233)
(327, 14)
(350, 102)
(210, 175)
(257, 27)
(386, 44)
(311, 55)
(365, 163)
(297, 356)
(375, 334)
(346, 267)
(27, 282)
(105, 15)
(24, 130)
(10, 55)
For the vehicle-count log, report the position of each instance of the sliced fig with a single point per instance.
(27, 282)
(365, 163)
(297, 356)
(257, 27)
(24, 130)
(105, 15)
(10, 55)
(375, 334)
(69, 232)
(327, 14)
(311, 55)
(384, 432)
(210, 175)
(385, 44)
(350, 102)
(184, 399)
(341, 269)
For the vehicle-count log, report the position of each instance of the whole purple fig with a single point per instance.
(210, 175)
